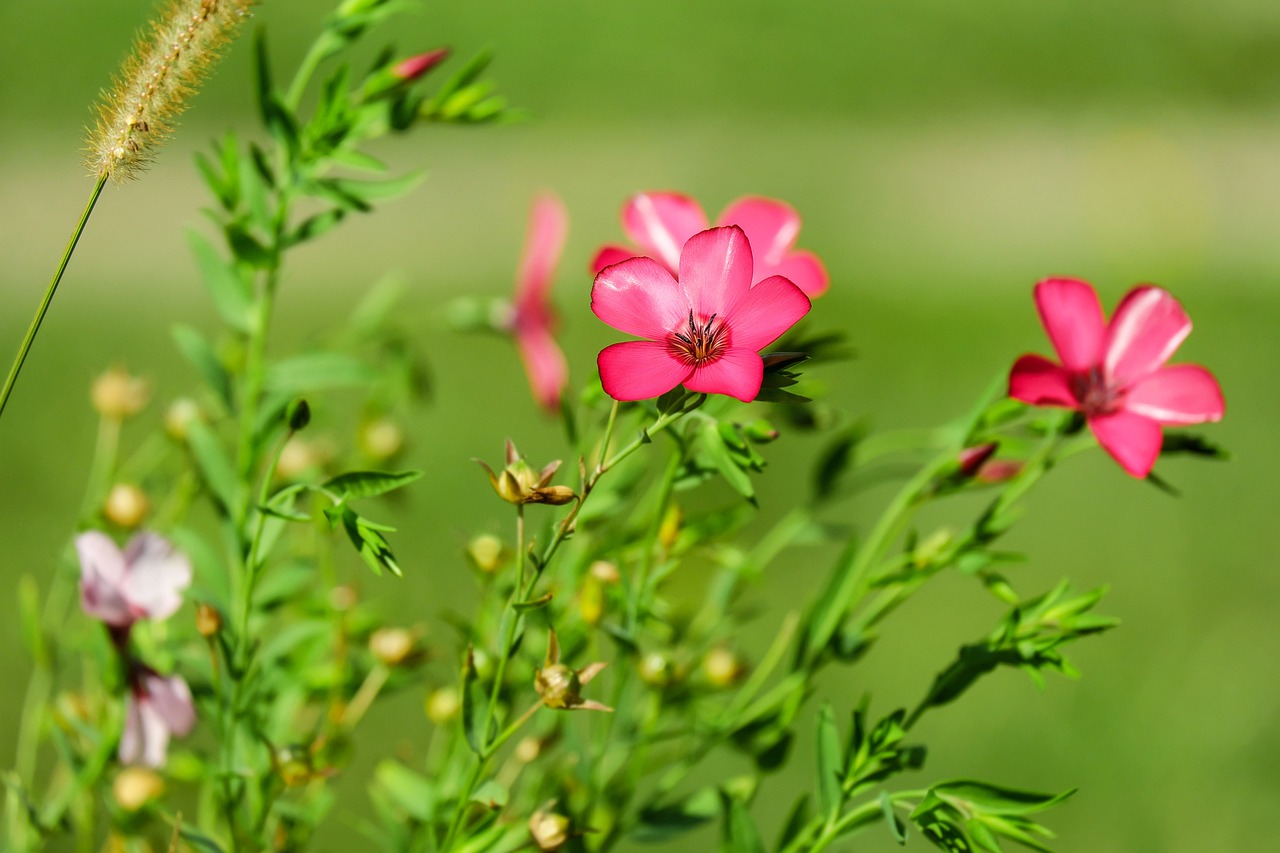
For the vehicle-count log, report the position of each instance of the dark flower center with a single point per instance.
(1096, 395)
(699, 343)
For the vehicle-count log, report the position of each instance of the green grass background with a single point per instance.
(944, 155)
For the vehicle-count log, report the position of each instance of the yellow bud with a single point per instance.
(669, 530)
(118, 395)
(126, 505)
(656, 669)
(178, 417)
(605, 572)
(591, 600)
(208, 621)
(722, 667)
(381, 439)
(343, 597)
(528, 749)
(297, 457)
(293, 764)
(550, 831)
(487, 553)
(135, 787)
(392, 646)
(443, 705)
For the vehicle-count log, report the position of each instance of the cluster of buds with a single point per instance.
(978, 463)
(561, 687)
(518, 483)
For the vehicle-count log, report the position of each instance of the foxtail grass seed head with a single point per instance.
(167, 67)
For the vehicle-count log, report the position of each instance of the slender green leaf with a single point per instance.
(363, 484)
(215, 467)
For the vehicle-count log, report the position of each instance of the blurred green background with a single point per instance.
(944, 155)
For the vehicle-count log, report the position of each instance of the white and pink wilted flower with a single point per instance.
(704, 330)
(156, 709)
(145, 581)
(660, 223)
(1115, 373)
(533, 321)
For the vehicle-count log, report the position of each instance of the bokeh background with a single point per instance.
(944, 154)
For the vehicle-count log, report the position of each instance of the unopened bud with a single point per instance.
(443, 705)
(605, 572)
(392, 646)
(669, 530)
(549, 830)
(343, 597)
(178, 417)
(760, 431)
(297, 415)
(487, 553)
(135, 787)
(414, 67)
(126, 505)
(591, 600)
(381, 439)
(528, 750)
(1000, 470)
(208, 621)
(300, 456)
(972, 458)
(293, 765)
(117, 395)
(656, 669)
(722, 667)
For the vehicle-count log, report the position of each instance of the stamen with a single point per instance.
(700, 343)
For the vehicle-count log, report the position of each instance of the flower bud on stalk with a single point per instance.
(126, 505)
(117, 395)
(157, 81)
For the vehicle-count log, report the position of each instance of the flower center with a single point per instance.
(1096, 396)
(699, 343)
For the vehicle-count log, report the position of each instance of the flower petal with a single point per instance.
(765, 312)
(715, 270)
(1072, 316)
(662, 222)
(544, 363)
(1131, 439)
(548, 224)
(1176, 395)
(803, 269)
(738, 373)
(155, 576)
(1040, 382)
(102, 578)
(155, 735)
(171, 698)
(639, 297)
(610, 255)
(770, 225)
(639, 370)
(1147, 327)
(132, 736)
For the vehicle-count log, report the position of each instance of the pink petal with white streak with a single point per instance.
(771, 226)
(765, 312)
(739, 373)
(639, 297)
(716, 266)
(1041, 382)
(548, 225)
(1177, 395)
(1147, 327)
(1072, 317)
(661, 223)
(1131, 439)
(639, 370)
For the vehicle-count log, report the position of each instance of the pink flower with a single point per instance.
(532, 320)
(662, 222)
(1115, 373)
(143, 582)
(157, 707)
(704, 331)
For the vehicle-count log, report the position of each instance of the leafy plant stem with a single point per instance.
(25, 347)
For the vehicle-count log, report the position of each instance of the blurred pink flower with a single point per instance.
(408, 70)
(1115, 373)
(532, 321)
(143, 582)
(661, 222)
(704, 330)
(156, 708)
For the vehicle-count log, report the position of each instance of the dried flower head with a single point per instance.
(561, 687)
(549, 830)
(166, 68)
(518, 483)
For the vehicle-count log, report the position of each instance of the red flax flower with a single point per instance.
(1115, 373)
(660, 223)
(704, 330)
(532, 320)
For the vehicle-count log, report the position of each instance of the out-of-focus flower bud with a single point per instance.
(591, 600)
(414, 67)
(208, 621)
(972, 458)
(561, 687)
(518, 483)
(294, 766)
(669, 530)
(178, 417)
(298, 414)
(605, 572)
(549, 830)
(126, 505)
(443, 705)
(1000, 470)
(117, 395)
(300, 456)
(656, 669)
(381, 439)
(135, 787)
(722, 667)
(527, 750)
(343, 597)
(393, 646)
(760, 431)
(933, 547)
(487, 553)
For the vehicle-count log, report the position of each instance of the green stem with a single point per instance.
(30, 338)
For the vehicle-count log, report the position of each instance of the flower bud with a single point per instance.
(297, 414)
(126, 505)
(656, 669)
(293, 765)
(999, 470)
(972, 458)
(343, 597)
(591, 600)
(134, 787)
(300, 456)
(487, 553)
(408, 70)
(178, 417)
(443, 705)
(605, 572)
(117, 395)
(559, 686)
(549, 830)
(208, 621)
(722, 667)
(669, 530)
(393, 646)
(528, 750)
(381, 439)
